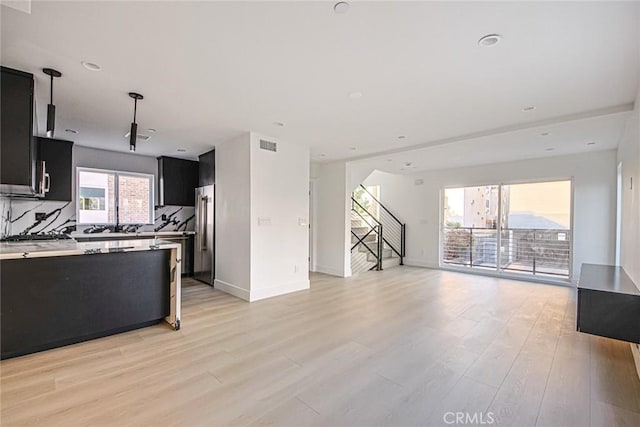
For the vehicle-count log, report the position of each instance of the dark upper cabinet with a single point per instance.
(17, 167)
(178, 180)
(207, 168)
(56, 155)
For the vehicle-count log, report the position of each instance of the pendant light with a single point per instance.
(51, 109)
(134, 126)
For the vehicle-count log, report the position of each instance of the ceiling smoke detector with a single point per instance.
(341, 7)
(91, 66)
(490, 40)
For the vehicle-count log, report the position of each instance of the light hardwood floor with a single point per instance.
(393, 348)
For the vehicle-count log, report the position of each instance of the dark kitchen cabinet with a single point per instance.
(178, 180)
(56, 155)
(17, 167)
(207, 169)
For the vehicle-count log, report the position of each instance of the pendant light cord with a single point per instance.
(51, 90)
(135, 108)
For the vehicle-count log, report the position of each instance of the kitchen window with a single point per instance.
(107, 197)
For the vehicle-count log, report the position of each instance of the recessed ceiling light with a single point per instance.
(139, 136)
(91, 66)
(591, 143)
(181, 150)
(278, 124)
(322, 155)
(341, 7)
(352, 148)
(151, 130)
(407, 164)
(389, 160)
(401, 137)
(355, 95)
(529, 108)
(544, 134)
(490, 40)
(71, 131)
(549, 149)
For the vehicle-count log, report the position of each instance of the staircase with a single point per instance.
(377, 236)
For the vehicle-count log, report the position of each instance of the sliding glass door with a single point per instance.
(520, 228)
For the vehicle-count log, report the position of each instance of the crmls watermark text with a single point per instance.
(475, 418)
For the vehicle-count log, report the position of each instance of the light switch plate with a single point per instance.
(263, 221)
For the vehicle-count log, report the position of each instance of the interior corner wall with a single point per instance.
(279, 218)
(233, 217)
(416, 200)
(331, 215)
(629, 155)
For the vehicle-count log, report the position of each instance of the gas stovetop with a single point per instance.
(35, 237)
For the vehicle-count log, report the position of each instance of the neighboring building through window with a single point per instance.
(114, 197)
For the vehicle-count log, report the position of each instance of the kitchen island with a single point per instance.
(64, 292)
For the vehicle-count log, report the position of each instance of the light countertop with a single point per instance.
(34, 249)
(150, 234)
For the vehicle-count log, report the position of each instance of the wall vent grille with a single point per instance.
(268, 145)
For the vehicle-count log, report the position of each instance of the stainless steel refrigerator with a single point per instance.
(204, 252)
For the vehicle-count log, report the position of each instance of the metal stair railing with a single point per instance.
(394, 229)
(373, 228)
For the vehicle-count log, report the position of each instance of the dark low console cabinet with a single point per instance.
(608, 303)
(48, 302)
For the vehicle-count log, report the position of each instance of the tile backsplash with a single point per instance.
(18, 216)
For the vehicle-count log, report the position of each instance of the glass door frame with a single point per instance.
(501, 272)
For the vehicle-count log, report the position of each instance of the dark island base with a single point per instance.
(56, 301)
(76, 340)
(608, 303)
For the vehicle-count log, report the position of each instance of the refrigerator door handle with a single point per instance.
(203, 241)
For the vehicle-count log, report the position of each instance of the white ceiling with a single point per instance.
(569, 137)
(211, 70)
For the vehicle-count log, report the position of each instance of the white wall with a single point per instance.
(279, 218)
(233, 217)
(629, 155)
(331, 244)
(594, 181)
(262, 214)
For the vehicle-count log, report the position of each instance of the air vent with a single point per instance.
(268, 145)
(140, 136)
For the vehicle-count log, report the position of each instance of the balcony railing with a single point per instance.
(532, 251)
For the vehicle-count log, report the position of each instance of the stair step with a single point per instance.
(360, 230)
(386, 253)
(370, 238)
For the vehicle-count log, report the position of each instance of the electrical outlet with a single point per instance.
(164, 217)
(41, 216)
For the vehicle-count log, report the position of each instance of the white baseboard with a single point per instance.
(234, 290)
(274, 291)
(415, 262)
(329, 270)
(635, 350)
